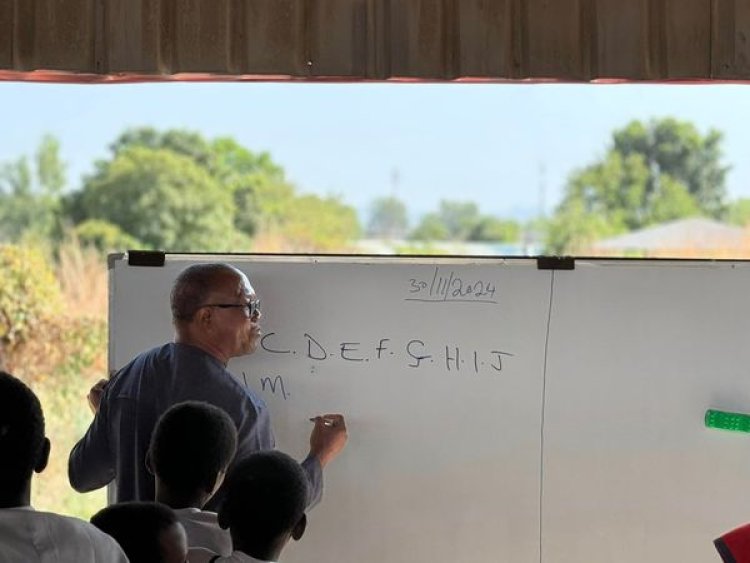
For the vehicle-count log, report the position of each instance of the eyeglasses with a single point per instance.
(252, 309)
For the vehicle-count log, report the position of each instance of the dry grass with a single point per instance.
(82, 272)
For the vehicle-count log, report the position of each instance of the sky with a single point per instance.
(509, 148)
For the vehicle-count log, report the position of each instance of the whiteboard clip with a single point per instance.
(153, 258)
(555, 263)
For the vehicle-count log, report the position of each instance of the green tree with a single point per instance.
(260, 191)
(186, 143)
(613, 188)
(459, 217)
(388, 218)
(431, 227)
(104, 236)
(314, 223)
(738, 212)
(256, 183)
(160, 197)
(231, 160)
(672, 201)
(177, 190)
(454, 220)
(50, 167)
(30, 197)
(676, 149)
(652, 172)
(460, 221)
(574, 228)
(492, 229)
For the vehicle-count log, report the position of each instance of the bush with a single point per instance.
(105, 236)
(59, 353)
(29, 293)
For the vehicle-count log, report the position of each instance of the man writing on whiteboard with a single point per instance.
(216, 317)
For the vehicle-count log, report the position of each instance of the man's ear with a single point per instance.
(149, 463)
(299, 529)
(41, 463)
(203, 315)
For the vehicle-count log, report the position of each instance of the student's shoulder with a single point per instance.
(197, 515)
(69, 524)
(79, 532)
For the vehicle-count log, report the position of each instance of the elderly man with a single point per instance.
(216, 316)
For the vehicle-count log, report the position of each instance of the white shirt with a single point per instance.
(202, 528)
(200, 555)
(28, 536)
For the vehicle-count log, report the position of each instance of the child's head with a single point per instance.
(148, 532)
(23, 447)
(191, 447)
(265, 503)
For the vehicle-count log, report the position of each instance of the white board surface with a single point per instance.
(556, 420)
(443, 458)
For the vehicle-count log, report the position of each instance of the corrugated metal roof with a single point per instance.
(695, 233)
(426, 40)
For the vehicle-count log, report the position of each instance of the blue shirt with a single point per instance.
(114, 447)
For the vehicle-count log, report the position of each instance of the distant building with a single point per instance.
(454, 248)
(696, 237)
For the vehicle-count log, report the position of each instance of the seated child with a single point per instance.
(264, 508)
(26, 534)
(148, 532)
(191, 447)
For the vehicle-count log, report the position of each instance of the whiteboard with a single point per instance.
(442, 395)
(556, 418)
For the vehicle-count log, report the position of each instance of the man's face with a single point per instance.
(237, 332)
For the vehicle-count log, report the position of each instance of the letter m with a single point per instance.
(273, 384)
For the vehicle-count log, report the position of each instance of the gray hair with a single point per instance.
(193, 286)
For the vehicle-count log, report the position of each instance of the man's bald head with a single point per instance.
(193, 287)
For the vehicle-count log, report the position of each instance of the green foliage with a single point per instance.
(653, 172)
(323, 224)
(672, 201)
(614, 188)
(231, 161)
(185, 143)
(178, 191)
(29, 292)
(431, 227)
(50, 168)
(574, 228)
(492, 229)
(261, 201)
(104, 236)
(460, 221)
(459, 218)
(30, 205)
(388, 218)
(677, 149)
(738, 212)
(161, 198)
